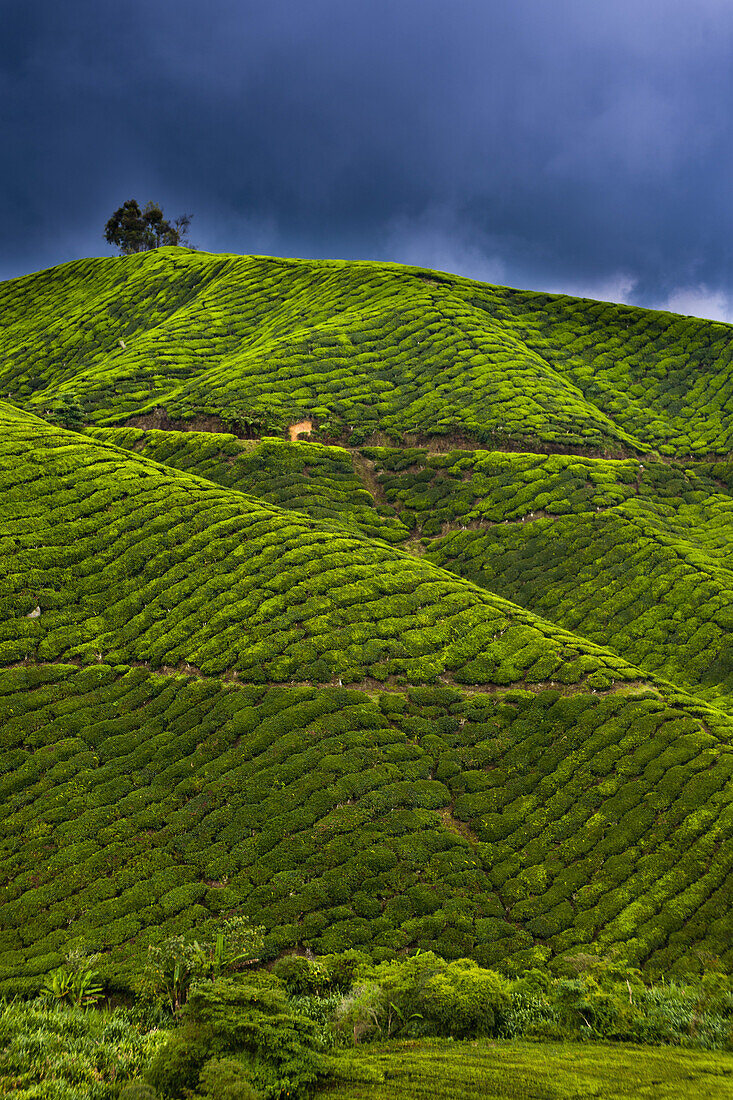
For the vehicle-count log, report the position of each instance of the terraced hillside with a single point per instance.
(362, 348)
(477, 701)
(635, 555)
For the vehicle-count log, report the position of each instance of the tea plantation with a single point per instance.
(362, 348)
(453, 674)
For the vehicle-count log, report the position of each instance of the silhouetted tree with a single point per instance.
(134, 230)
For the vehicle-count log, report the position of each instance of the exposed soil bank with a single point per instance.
(159, 419)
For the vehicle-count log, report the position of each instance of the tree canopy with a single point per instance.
(134, 230)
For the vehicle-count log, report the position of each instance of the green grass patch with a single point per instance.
(51, 1053)
(484, 1070)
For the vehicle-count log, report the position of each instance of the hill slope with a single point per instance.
(363, 348)
(381, 697)
(636, 556)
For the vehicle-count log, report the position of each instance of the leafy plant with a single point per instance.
(75, 982)
(175, 965)
(246, 1019)
(225, 1079)
(62, 1051)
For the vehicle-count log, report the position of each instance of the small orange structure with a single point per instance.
(301, 428)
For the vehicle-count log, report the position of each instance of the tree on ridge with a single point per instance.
(134, 230)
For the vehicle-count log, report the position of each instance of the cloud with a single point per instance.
(570, 146)
(701, 301)
(438, 239)
(618, 287)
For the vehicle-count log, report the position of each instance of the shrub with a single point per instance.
(464, 1000)
(226, 1079)
(362, 1013)
(176, 1067)
(301, 975)
(246, 1018)
(137, 1090)
(424, 995)
(76, 982)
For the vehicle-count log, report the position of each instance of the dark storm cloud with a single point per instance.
(551, 143)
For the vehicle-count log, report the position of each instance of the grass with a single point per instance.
(49, 1053)
(487, 1070)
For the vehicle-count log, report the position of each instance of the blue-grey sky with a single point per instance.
(575, 145)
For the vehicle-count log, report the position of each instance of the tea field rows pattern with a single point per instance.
(545, 798)
(634, 555)
(131, 563)
(391, 697)
(362, 348)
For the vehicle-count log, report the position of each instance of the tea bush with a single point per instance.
(135, 563)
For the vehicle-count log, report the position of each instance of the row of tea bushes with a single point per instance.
(653, 372)
(126, 560)
(511, 825)
(634, 555)
(308, 477)
(466, 487)
(361, 348)
(533, 528)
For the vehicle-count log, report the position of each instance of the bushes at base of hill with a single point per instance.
(594, 997)
(257, 1036)
(250, 1033)
(240, 1037)
(66, 1053)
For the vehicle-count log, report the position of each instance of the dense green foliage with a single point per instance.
(56, 1053)
(362, 348)
(541, 806)
(259, 1036)
(249, 1023)
(129, 562)
(325, 482)
(384, 698)
(594, 997)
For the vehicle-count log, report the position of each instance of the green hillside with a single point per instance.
(554, 533)
(368, 692)
(363, 348)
